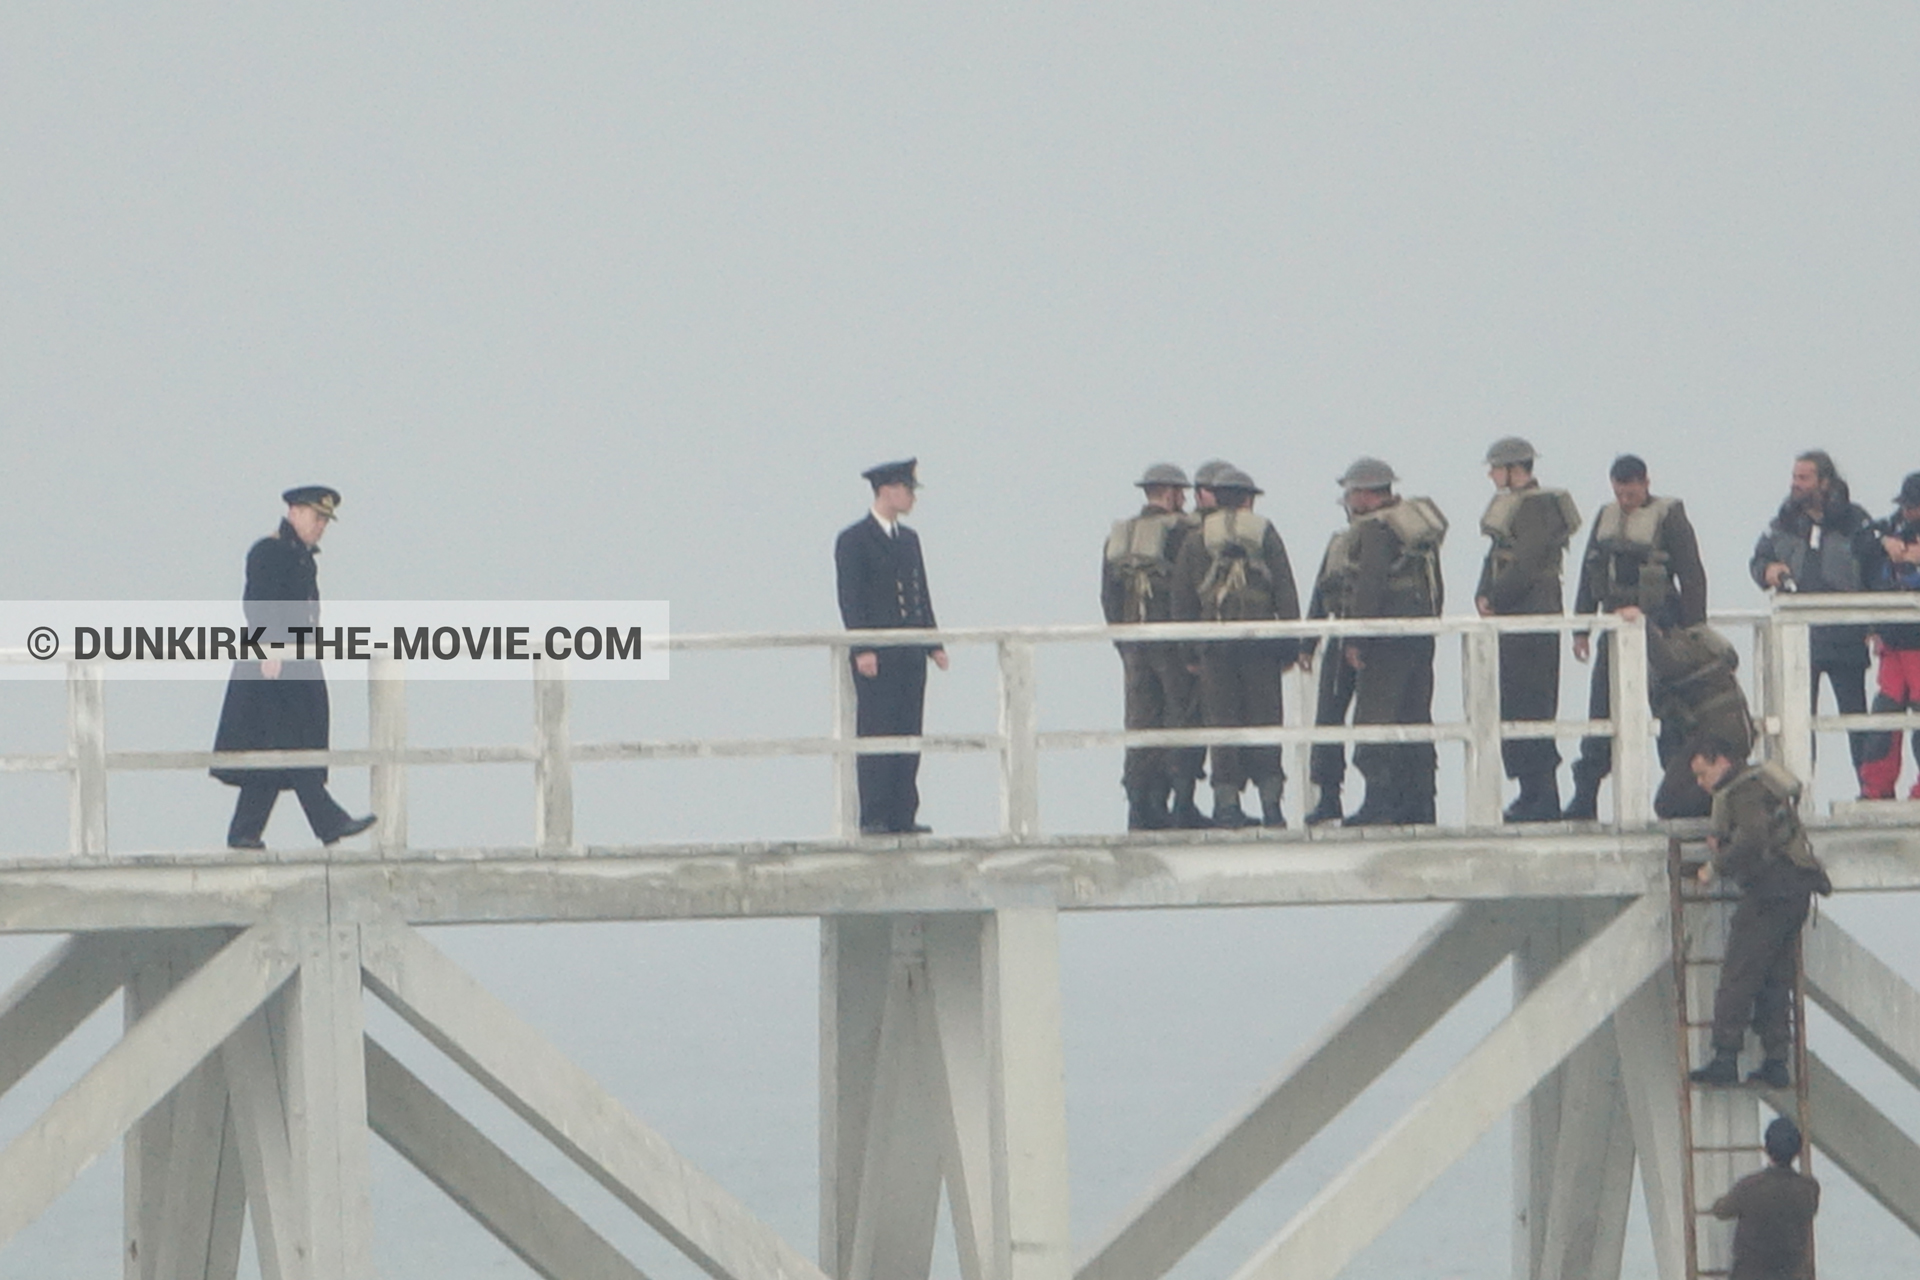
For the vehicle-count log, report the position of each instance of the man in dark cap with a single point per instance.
(281, 704)
(1528, 528)
(1136, 585)
(883, 585)
(1234, 568)
(1897, 569)
(1772, 1212)
(1820, 541)
(1642, 559)
(1395, 573)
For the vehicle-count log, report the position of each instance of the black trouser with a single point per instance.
(889, 704)
(1240, 687)
(1328, 763)
(1756, 978)
(255, 806)
(1596, 752)
(1396, 687)
(1529, 690)
(1848, 680)
(1161, 694)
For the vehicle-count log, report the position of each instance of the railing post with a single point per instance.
(846, 768)
(387, 734)
(553, 758)
(1793, 676)
(1020, 729)
(1632, 728)
(1766, 693)
(87, 751)
(1480, 698)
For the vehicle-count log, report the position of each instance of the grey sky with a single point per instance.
(617, 301)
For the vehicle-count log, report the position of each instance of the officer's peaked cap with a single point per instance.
(317, 496)
(901, 472)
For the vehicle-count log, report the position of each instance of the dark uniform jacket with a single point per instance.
(1762, 846)
(290, 713)
(1687, 577)
(1521, 573)
(1888, 576)
(1838, 554)
(882, 580)
(1773, 1239)
(1190, 571)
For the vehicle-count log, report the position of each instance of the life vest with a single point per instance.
(1628, 554)
(1786, 836)
(1413, 579)
(1139, 553)
(1497, 523)
(1336, 573)
(1238, 585)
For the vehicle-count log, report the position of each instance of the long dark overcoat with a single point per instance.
(290, 713)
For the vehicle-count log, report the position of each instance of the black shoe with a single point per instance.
(914, 829)
(1584, 807)
(1186, 816)
(1145, 812)
(1771, 1074)
(352, 827)
(1228, 815)
(1270, 815)
(1723, 1070)
(876, 828)
(1327, 809)
(1373, 813)
(255, 844)
(1533, 804)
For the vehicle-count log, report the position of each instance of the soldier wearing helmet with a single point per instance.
(1235, 568)
(1528, 528)
(1394, 571)
(1136, 585)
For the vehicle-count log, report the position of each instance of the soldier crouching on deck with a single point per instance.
(1136, 585)
(1758, 843)
(281, 704)
(1529, 528)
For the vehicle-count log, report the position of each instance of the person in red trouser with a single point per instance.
(1899, 646)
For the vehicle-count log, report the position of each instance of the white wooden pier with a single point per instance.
(245, 1085)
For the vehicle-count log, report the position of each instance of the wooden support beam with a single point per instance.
(855, 964)
(326, 1090)
(257, 1104)
(552, 763)
(1649, 1044)
(955, 1033)
(188, 1197)
(1027, 1065)
(55, 996)
(1864, 995)
(387, 736)
(1197, 1193)
(1592, 1187)
(1561, 1013)
(513, 1205)
(574, 1112)
(155, 1055)
(87, 752)
(1856, 1135)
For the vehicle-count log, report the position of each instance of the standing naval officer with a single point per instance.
(1528, 528)
(1642, 559)
(883, 585)
(1136, 585)
(280, 704)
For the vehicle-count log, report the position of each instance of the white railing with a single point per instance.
(1780, 646)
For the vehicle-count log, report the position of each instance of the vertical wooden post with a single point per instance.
(1793, 665)
(553, 760)
(387, 734)
(1020, 728)
(855, 966)
(1028, 1090)
(1304, 697)
(330, 1151)
(1632, 728)
(1766, 693)
(87, 750)
(846, 768)
(1480, 686)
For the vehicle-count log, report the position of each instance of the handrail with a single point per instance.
(1781, 652)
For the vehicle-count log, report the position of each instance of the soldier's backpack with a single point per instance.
(1413, 579)
(1497, 523)
(1238, 585)
(1139, 553)
(1788, 836)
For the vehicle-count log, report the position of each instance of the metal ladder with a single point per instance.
(1719, 1126)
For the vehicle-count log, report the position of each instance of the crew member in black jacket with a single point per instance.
(281, 704)
(883, 584)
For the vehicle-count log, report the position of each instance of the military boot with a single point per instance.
(1145, 810)
(1227, 812)
(1381, 804)
(1771, 1074)
(1326, 808)
(1270, 814)
(1585, 805)
(1538, 801)
(1723, 1070)
(1186, 814)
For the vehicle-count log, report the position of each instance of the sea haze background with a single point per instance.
(615, 301)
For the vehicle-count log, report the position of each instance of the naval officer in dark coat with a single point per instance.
(883, 584)
(281, 704)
